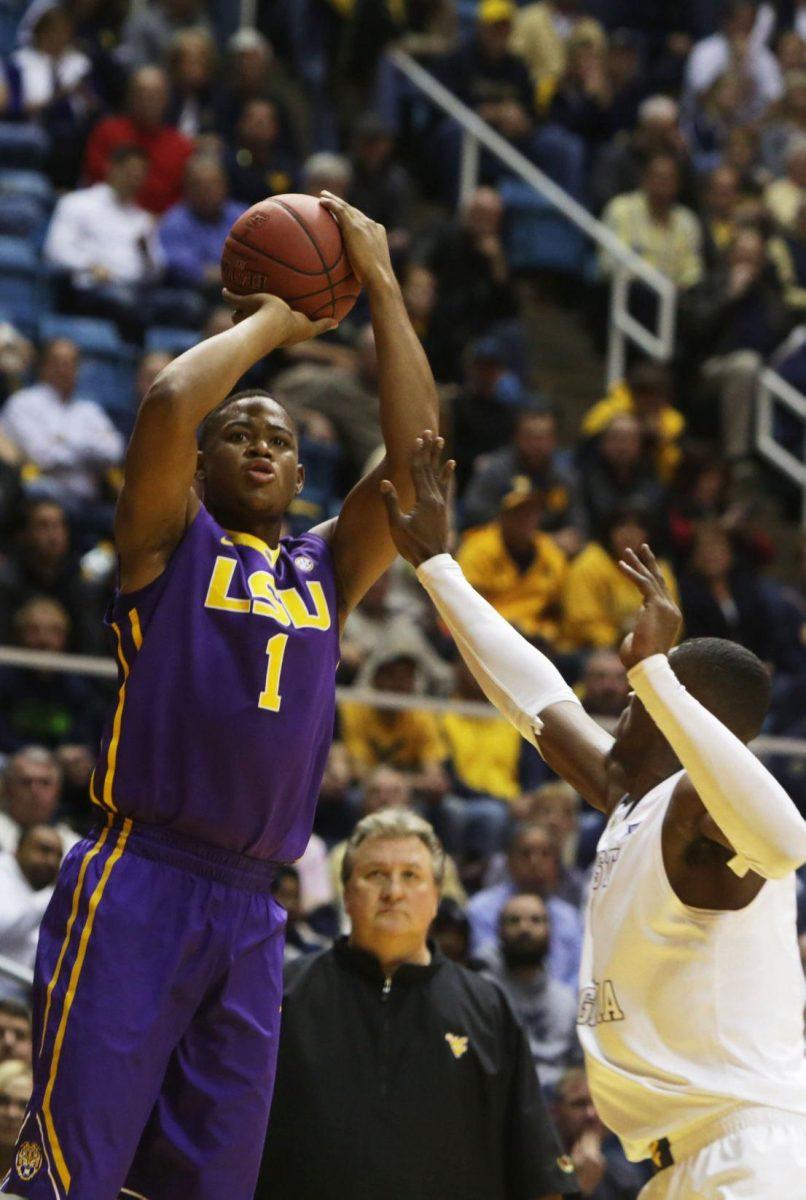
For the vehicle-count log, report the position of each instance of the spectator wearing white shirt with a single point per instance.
(49, 80)
(106, 243)
(70, 440)
(739, 46)
(26, 886)
(32, 787)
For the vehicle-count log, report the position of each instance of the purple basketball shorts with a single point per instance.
(157, 1001)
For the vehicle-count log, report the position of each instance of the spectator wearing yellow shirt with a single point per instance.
(519, 570)
(541, 35)
(483, 761)
(654, 225)
(600, 604)
(407, 739)
(646, 394)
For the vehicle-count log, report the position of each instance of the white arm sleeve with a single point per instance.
(514, 676)
(749, 806)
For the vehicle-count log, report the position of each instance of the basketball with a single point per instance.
(291, 247)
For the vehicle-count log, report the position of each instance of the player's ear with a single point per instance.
(300, 479)
(199, 465)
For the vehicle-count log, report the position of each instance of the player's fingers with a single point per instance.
(446, 474)
(646, 586)
(323, 325)
(651, 563)
(234, 300)
(391, 501)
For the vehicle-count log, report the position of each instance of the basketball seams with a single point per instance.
(258, 269)
(287, 209)
(273, 258)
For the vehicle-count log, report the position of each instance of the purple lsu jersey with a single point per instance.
(226, 698)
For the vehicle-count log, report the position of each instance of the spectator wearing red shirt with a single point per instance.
(144, 125)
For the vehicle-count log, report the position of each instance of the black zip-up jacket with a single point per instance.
(417, 1087)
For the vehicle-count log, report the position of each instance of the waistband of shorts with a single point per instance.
(743, 1117)
(191, 854)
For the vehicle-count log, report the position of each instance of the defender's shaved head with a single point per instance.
(728, 679)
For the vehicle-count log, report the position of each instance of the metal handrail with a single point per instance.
(627, 265)
(106, 668)
(774, 389)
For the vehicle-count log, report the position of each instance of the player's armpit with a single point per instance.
(696, 854)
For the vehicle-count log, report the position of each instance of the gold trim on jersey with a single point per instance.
(95, 899)
(88, 857)
(270, 553)
(114, 741)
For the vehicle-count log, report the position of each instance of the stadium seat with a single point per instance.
(92, 335)
(33, 184)
(176, 307)
(108, 365)
(23, 217)
(10, 15)
(23, 145)
(538, 236)
(21, 292)
(171, 339)
(109, 381)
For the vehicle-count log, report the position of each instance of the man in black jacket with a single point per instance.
(401, 1074)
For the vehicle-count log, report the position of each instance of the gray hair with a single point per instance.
(796, 147)
(325, 165)
(657, 108)
(389, 824)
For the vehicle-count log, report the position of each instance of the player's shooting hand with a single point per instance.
(423, 532)
(365, 241)
(659, 620)
(287, 326)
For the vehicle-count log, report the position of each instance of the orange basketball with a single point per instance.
(292, 247)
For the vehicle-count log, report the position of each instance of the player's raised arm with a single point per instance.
(362, 547)
(727, 795)
(523, 684)
(157, 502)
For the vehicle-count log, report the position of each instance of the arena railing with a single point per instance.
(627, 267)
(772, 390)
(106, 668)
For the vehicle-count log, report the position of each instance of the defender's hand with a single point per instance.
(291, 327)
(364, 240)
(659, 620)
(423, 532)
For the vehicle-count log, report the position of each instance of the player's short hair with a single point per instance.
(728, 679)
(391, 824)
(212, 420)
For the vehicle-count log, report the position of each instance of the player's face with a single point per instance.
(391, 896)
(634, 733)
(250, 466)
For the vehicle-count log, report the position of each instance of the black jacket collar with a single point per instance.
(361, 962)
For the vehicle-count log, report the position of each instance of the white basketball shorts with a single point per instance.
(755, 1156)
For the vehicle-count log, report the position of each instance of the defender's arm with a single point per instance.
(523, 684)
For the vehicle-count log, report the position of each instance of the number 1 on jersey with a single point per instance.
(270, 697)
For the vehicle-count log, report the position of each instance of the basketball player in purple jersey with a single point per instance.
(158, 978)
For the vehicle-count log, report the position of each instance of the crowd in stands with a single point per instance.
(137, 133)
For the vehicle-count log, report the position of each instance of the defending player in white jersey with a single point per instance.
(691, 1004)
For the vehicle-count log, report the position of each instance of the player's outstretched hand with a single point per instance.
(365, 241)
(659, 620)
(292, 326)
(423, 532)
